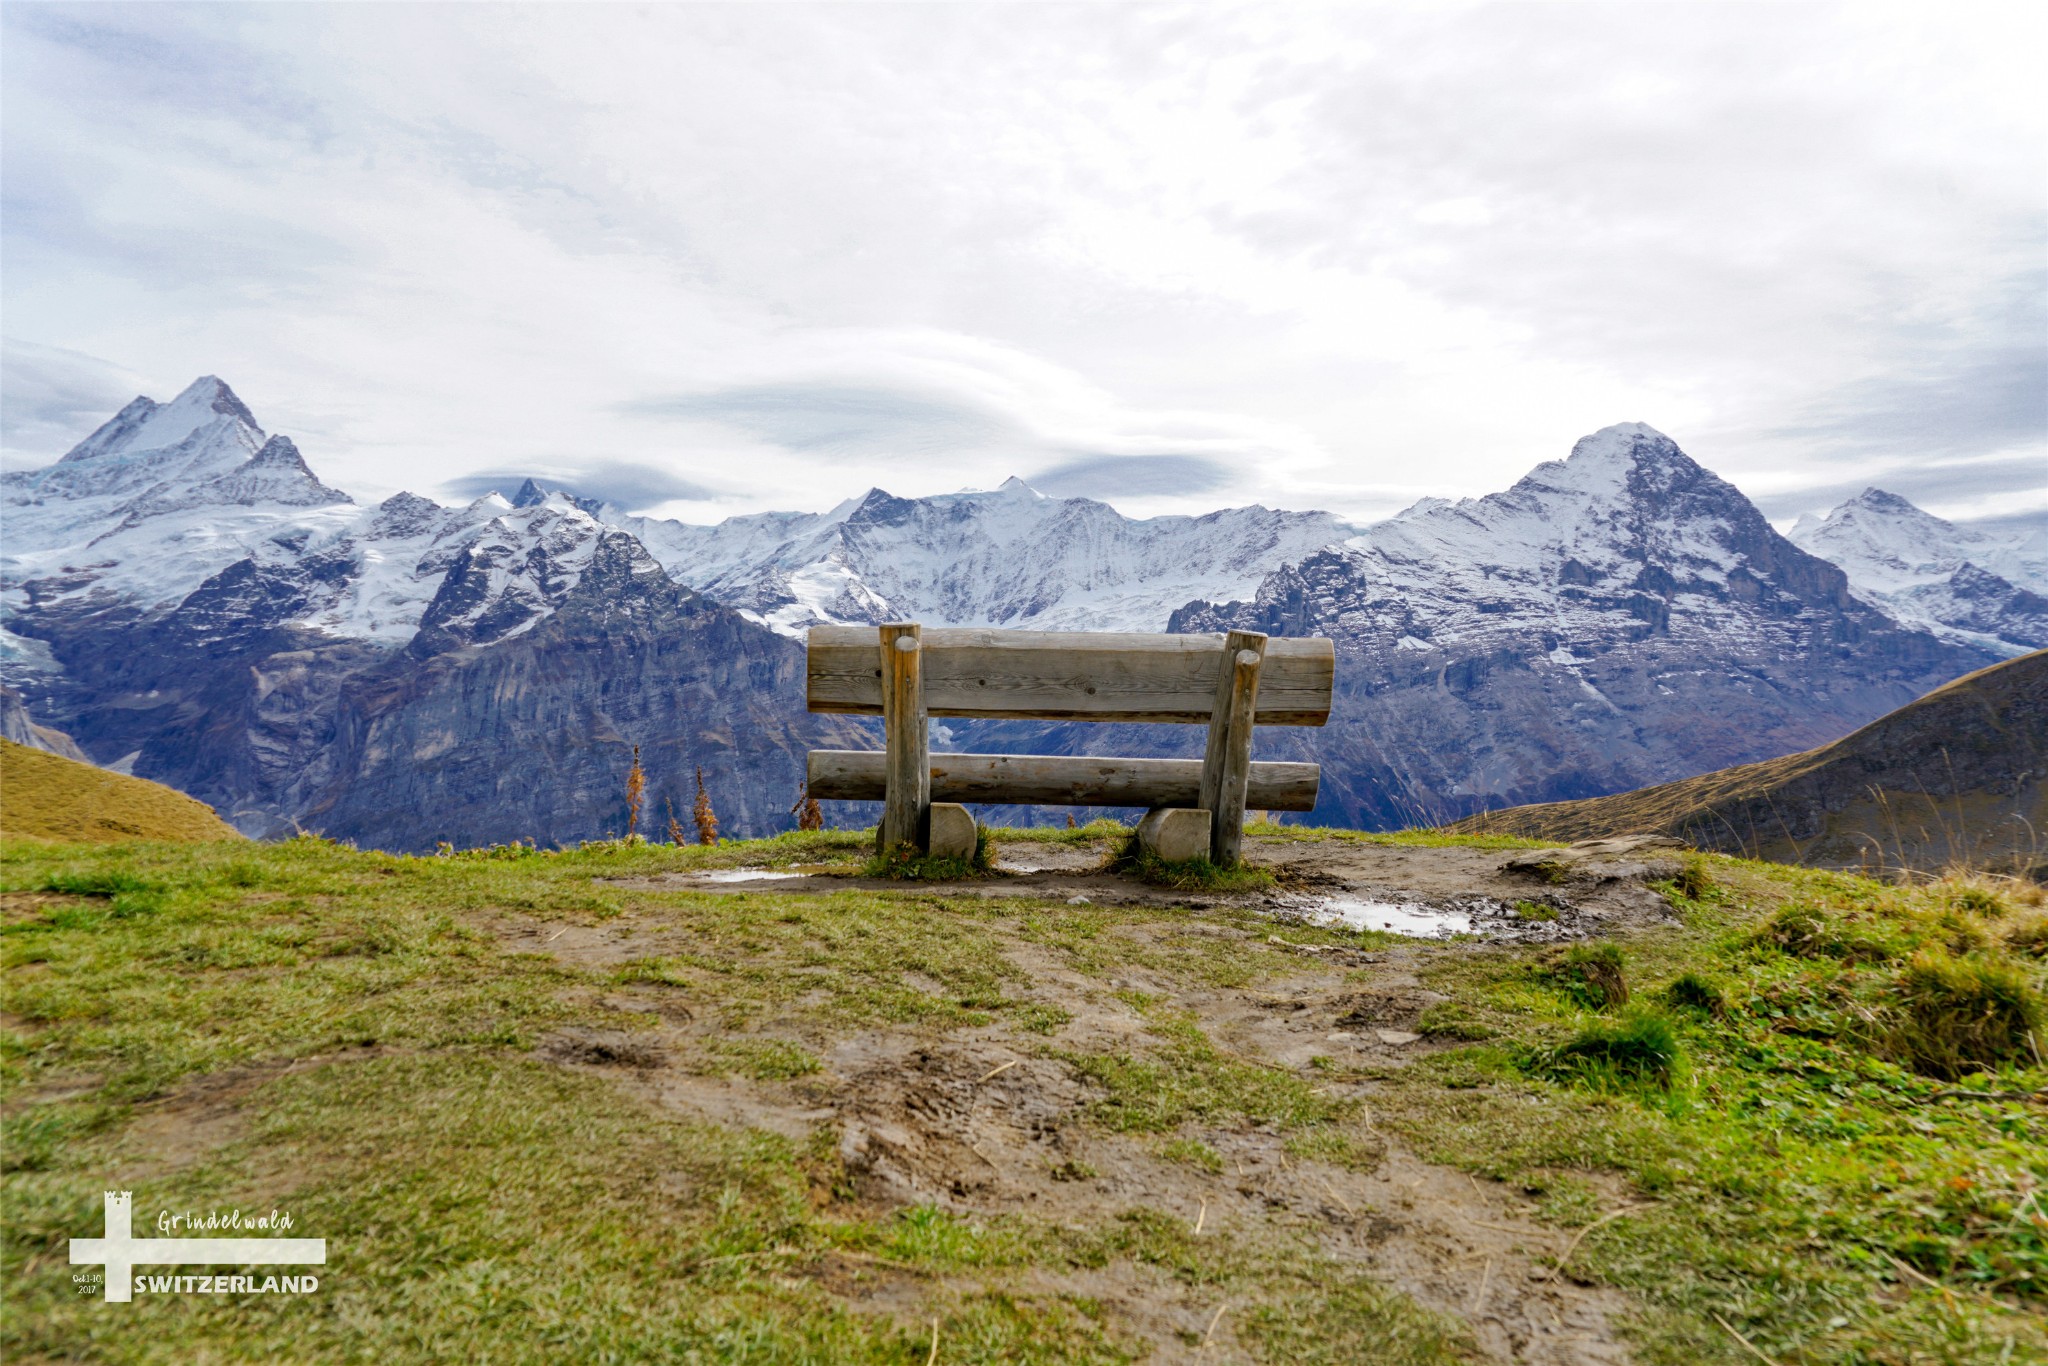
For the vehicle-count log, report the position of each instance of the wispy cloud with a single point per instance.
(1315, 255)
(631, 486)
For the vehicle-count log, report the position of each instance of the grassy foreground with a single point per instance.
(1784, 1141)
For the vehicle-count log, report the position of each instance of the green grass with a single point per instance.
(1786, 1152)
(1187, 875)
(377, 1039)
(363, 1040)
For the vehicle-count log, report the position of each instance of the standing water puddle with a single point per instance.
(1397, 917)
(750, 875)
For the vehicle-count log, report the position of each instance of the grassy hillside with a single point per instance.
(50, 797)
(546, 1107)
(1957, 778)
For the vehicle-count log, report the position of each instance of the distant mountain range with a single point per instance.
(184, 596)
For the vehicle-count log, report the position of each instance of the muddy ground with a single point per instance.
(1592, 888)
(981, 1120)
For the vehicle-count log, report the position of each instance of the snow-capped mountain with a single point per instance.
(160, 497)
(1007, 557)
(183, 594)
(1980, 587)
(185, 597)
(1613, 616)
(189, 503)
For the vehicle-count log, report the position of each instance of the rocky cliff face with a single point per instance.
(1613, 620)
(525, 735)
(21, 728)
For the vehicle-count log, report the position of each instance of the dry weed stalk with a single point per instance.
(707, 820)
(636, 792)
(808, 815)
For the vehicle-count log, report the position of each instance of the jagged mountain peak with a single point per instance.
(530, 494)
(1875, 499)
(280, 453)
(1978, 586)
(216, 395)
(1629, 460)
(146, 425)
(1630, 442)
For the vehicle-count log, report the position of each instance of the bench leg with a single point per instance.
(1227, 764)
(907, 798)
(1175, 834)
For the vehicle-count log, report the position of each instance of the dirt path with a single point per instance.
(987, 1120)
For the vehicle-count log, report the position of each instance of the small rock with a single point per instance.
(1396, 1036)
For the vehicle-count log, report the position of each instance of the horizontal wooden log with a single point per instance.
(1070, 675)
(853, 775)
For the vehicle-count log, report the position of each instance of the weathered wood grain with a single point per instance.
(850, 775)
(907, 796)
(1067, 675)
(1219, 720)
(1226, 828)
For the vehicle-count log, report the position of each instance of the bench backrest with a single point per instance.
(1070, 675)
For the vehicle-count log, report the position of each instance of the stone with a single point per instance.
(1396, 1036)
(953, 833)
(1175, 834)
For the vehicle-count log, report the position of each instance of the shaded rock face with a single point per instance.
(531, 737)
(1614, 620)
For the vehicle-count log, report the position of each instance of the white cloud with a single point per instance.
(1318, 256)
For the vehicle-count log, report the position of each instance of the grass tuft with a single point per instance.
(905, 864)
(1694, 992)
(2028, 935)
(1590, 974)
(1963, 1015)
(1641, 1047)
(1803, 930)
(1189, 875)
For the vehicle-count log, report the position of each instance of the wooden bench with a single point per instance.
(906, 675)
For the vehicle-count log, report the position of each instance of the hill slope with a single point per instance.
(1955, 777)
(51, 797)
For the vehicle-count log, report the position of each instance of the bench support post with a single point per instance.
(907, 800)
(1227, 763)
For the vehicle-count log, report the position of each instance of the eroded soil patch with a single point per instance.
(996, 1120)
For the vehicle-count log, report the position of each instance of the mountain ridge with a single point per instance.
(1612, 615)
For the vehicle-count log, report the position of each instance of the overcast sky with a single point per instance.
(713, 259)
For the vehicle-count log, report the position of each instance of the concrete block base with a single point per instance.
(1175, 834)
(953, 832)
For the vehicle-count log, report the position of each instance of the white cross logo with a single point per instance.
(120, 1252)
